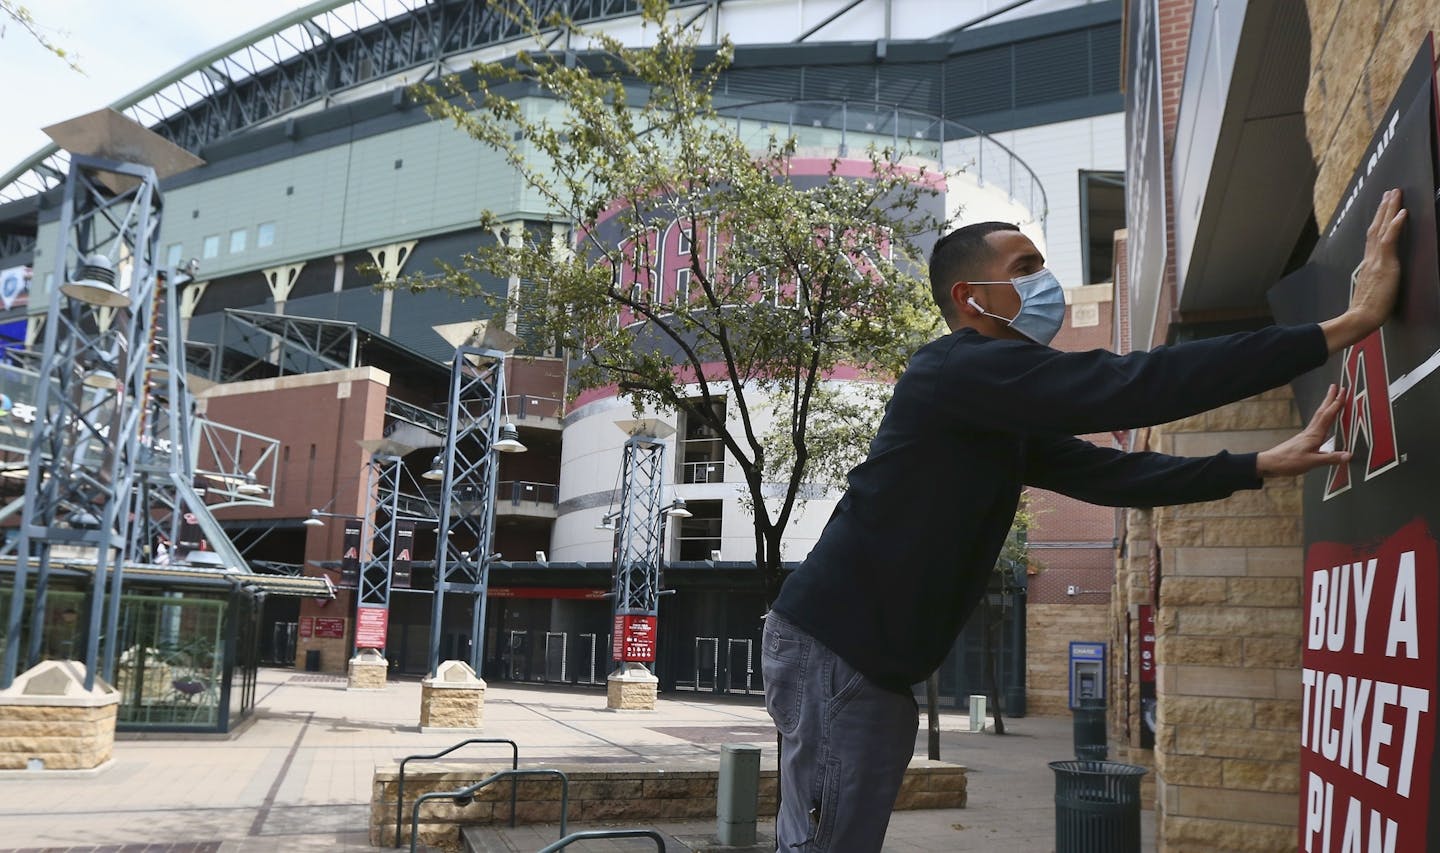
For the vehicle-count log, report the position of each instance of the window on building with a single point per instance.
(265, 235)
(1102, 213)
(211, 247)
(698, 537)
(173, 254)
(237, 240)
(702, 452)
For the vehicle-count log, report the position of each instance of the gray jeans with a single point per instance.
(844, 745)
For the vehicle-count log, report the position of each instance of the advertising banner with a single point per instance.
(1371, 597)
(350, 554)
(404, 552)
(371, 626)
(307, 627)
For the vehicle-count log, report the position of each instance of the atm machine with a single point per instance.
(1087, 672)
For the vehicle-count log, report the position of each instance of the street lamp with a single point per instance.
(94, 284)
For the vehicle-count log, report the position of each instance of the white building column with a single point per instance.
(390, 260)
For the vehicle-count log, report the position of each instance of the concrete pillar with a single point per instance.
(453, 699)
(49, 721)
(367, 670)
(738, 796)
(190, 295)
(632, 687)
(390, 260)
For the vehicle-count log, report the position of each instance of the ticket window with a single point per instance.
(1087, 672)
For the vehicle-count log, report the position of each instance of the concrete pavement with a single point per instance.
(297, 777)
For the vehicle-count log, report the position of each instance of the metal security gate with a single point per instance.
(555, 662)
(707, 662)
(519, 655)
(739, 666)
(588, 668)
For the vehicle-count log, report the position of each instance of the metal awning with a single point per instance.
(305, 587)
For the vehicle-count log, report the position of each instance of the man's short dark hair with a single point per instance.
(957, 256)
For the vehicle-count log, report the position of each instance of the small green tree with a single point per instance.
(791, 280)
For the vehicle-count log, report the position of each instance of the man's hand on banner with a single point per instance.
(1304, 452)
(1375, 285)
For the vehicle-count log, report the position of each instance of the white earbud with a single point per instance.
(975, 305)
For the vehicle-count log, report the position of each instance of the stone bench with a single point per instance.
(631, 793)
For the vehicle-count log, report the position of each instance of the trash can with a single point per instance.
(1090, 742)
(1097, 807)
(312, 660)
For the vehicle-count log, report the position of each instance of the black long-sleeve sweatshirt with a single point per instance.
(908, 551)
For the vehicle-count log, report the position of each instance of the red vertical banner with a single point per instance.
(1147, 676)
(404, 546)
(307, 627)
(350, 553)
(371, 626)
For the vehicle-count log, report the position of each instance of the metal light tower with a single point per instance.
(389, 528)
(639, 549)
(84, 444)
(467, 467)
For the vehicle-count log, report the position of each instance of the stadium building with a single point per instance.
(321, 176)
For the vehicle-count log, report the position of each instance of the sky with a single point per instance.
(120, 45)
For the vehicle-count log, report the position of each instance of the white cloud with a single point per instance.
(119, 46)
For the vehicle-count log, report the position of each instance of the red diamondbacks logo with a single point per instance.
(1366, 414)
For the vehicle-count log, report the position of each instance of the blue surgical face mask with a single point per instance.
(1042, 306)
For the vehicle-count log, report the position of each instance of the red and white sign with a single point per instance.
(633, 638)
(371, 626)
(1368, 717)
(330, 627)
(307, 627)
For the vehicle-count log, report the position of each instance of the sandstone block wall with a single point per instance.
(65, 738)
(622, 793)
(1131, 590)
(1358, 53)
(630, 695)
(451, 708)
(1049, 628)
(1228, 638)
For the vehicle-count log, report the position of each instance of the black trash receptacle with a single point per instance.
(312, 660)
(1097, 807)
(1090, 743)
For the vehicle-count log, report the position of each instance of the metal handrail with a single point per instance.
(519, 405)
(400, 786)
(514, 491)
(936, 128)
(606, 833)
(465, 796)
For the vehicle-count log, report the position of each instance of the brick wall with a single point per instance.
(1228, 637)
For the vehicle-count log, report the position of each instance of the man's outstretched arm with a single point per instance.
(1109, 477)
(1021, 386)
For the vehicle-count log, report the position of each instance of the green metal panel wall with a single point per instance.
(424, 179)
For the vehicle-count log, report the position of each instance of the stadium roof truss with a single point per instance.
(310, 57)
